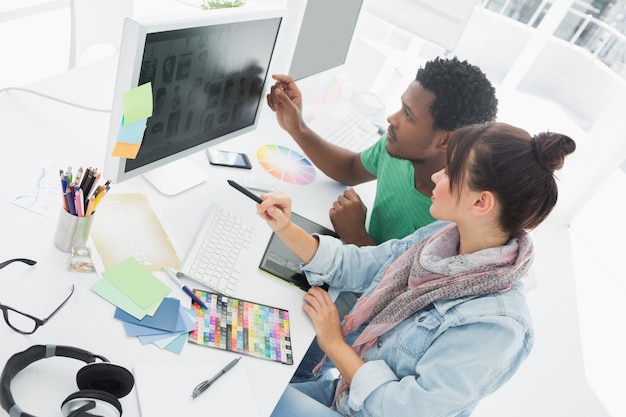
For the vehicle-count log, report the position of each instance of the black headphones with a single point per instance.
(100, 384)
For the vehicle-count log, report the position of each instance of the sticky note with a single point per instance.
(132, 133)
(137, 104)
(126, 150)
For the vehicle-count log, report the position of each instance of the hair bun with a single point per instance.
(552, 148)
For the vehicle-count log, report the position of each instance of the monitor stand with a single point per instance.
(176, 177)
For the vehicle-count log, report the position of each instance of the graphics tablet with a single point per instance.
(280, 261)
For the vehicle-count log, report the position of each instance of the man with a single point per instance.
(445, 95)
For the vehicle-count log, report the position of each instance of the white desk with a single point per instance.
(34, 128)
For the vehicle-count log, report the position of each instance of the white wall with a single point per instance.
(570, 95)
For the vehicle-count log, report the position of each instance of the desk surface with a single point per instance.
(35, 131)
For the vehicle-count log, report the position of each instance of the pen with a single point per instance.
(181, 275)
(245, 191)
(173, 276)
(201, 387)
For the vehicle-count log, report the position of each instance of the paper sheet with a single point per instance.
(43, 192)
(126, 226)
(165, 389)
(136, 282)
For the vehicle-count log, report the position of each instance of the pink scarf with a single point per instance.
(433, 270)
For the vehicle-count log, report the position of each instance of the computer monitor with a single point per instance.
(325, 36)
(208, 74)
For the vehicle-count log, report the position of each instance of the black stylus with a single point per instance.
(245, 191)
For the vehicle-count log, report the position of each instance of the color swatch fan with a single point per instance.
(286, 164)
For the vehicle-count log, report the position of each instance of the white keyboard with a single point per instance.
(353, 131)
(219, 251)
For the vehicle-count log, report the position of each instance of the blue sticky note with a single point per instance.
(164, 318)
(132, 133)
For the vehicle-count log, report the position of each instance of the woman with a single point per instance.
(442, 321)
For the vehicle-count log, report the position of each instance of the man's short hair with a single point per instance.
(463, 94)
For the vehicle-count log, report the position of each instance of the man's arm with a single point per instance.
(336, 162)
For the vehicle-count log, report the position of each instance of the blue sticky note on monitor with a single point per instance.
(132, 133)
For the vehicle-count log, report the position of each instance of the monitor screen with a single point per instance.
(325, 36)
(207, 73)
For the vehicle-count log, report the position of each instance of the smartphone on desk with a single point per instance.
(228, 159)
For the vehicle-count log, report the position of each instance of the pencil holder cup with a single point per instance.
(71, 231)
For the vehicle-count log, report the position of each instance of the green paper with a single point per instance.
(105, 289)
(137, 283)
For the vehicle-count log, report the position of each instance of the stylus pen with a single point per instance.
(245, 191)
(201, 387)
(185, 288)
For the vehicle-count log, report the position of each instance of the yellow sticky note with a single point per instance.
(126, 150)
(137, 103)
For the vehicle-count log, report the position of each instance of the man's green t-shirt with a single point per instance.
(399, 209)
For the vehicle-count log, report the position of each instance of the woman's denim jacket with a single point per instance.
(443, 359)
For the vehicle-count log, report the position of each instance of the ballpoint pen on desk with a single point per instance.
(174, 277)
(201, 387)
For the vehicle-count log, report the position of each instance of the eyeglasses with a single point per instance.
(22, 322)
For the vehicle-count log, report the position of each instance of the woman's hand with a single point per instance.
(275, 210)
(325, 318)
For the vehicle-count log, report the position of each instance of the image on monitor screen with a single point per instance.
(208, 77)
(325, 36)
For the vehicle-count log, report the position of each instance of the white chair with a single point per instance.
(97, 24)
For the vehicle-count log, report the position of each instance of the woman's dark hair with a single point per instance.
(463, 94)
(516, 167)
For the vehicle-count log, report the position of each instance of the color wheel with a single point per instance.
(286, 164)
